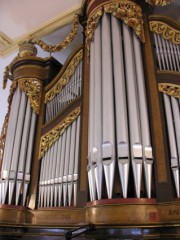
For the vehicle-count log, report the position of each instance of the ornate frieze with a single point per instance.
(70, 37)
(33, 89)
(50, 137)
(128, 11)
(64, 79)
(170, 89)
(159, 2)
(166, 31)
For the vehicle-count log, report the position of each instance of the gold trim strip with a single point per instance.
(33, 89)
(64, 79)
(166, 31)
(70, 37)
(53, 135)
(159, 2)
(170, 89)
(125, 10)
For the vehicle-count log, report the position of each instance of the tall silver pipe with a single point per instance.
(165, 53)
(120, 105)
(108, 136)
(97, 122)
(157, 51)
(172, 142)
(161, 52)
(133, 109)
(144, 119)
(90, 168)
(176, 56)
(173, 57)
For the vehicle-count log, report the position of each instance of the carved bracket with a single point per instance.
(170, 89)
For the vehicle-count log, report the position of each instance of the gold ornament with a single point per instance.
(53, 135)
(170, 89)
(165, 31)
(159, 2)
(70, 37)
(64, 79)
(33, 89)
(127, 11)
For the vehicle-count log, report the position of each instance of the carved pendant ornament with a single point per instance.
(127, 11)
(33, 89)
(50, 137)
(166, 31)
(64, 79)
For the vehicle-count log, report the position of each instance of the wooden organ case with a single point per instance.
(91, 149)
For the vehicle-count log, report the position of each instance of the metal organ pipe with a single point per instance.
(108, 134)
(133, 107)
(145, 131)
(172, 142)
(120, 105)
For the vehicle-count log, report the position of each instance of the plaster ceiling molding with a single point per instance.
(7, 46)
(5, 42)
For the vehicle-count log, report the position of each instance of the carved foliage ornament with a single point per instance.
(6, 119)
(70, 37)
(49, 138)
(33, 89)
(65, 77)
(128, 11)
(159, 2)
(170, 89)
(165, 31)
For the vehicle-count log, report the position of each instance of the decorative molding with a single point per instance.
(170, 89)
(167, 32)
(64, 79)
(127, 11)
(69, 38)
(48, 27)
(5, 42)
(53, 135)
(159, 2)
(33, 89)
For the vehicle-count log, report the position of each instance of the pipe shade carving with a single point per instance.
(49, 138)
(127, 11)
(159, 2)
(170, 89)
(166, 31)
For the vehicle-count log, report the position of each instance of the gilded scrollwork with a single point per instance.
(159, 2)
(53, 135)
(170, 89)
(33, 89)
(166, 31)
(70, 37)
(64, 79)
(127, 11)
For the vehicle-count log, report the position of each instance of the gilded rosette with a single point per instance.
(125, 10)
(53, 135)
(170, 89)
(166, 31)
(159, 2)
(64, 79)
(33, 89)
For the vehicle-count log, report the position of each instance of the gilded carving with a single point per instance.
(33, 89)
(127, 11)
(6, 119)
(159, 2)
(130, 13)
(50, 137)
(5, 42)
(70, 37)
(170, 89)
(165, 31)
(65, 77)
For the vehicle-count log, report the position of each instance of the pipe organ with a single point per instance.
(96, 140)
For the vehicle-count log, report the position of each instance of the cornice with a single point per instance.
(7, 45)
